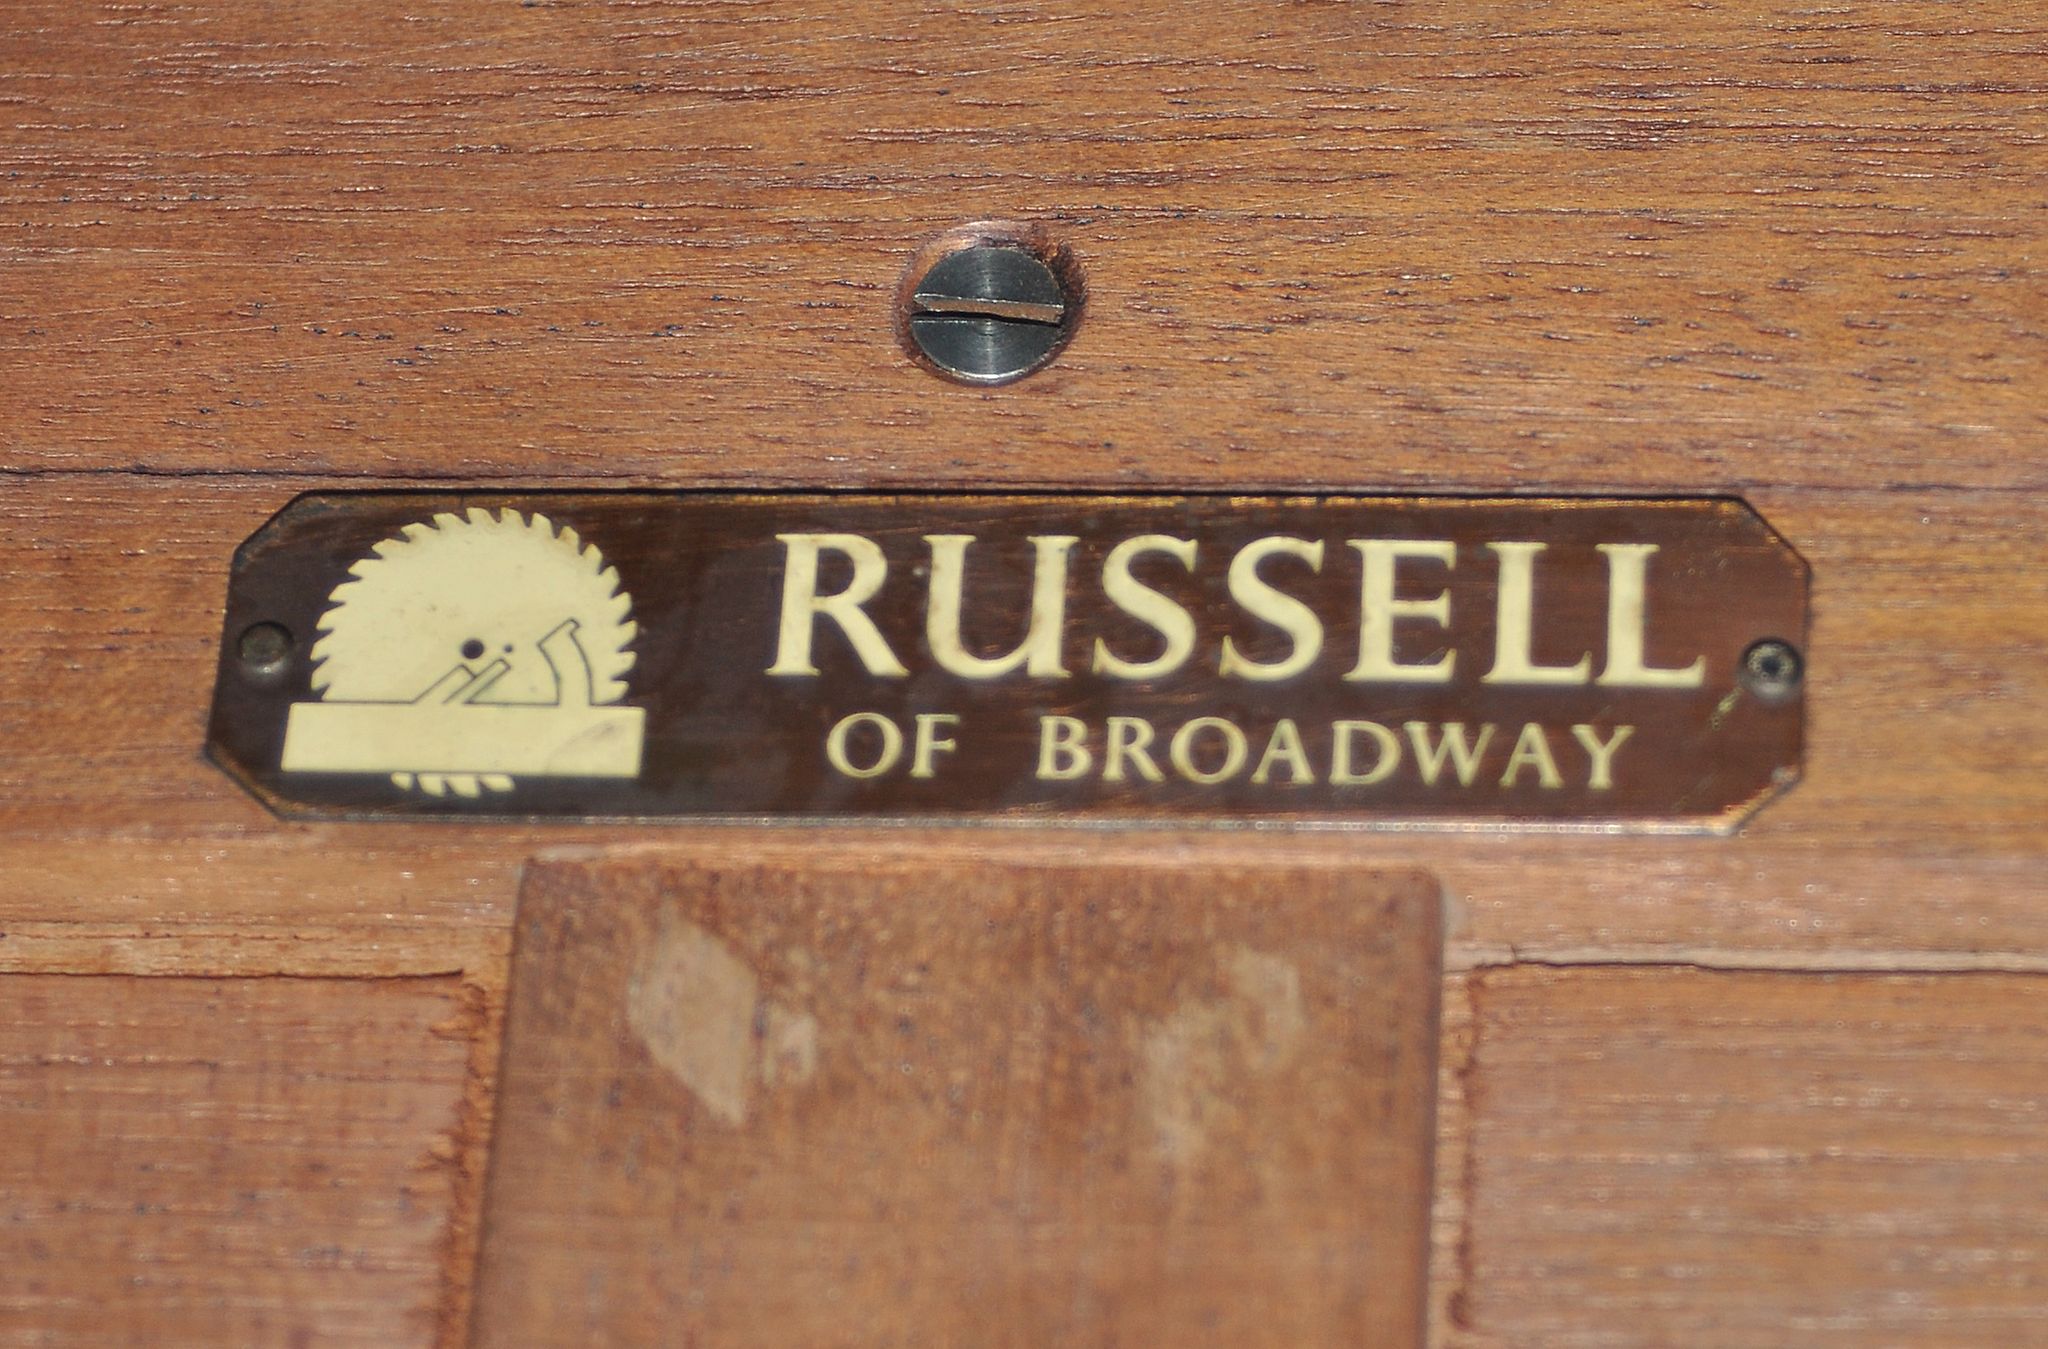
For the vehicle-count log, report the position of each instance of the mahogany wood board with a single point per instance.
(251, 251)
(1915, 833)
(1483, 245)
(1724, 1160)
(213, 1162)
(956, 1103)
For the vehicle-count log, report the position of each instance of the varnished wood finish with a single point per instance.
(1015, 1106)
(248, 251)
(1472, 246)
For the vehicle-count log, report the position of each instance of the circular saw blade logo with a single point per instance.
(470, 650)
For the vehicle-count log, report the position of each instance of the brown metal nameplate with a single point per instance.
(1358, 660)
(930, 1102)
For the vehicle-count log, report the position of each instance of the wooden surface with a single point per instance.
(961, 1104)
(1431, 245)
(1793, 252)
(228, 1161)
(1725, 1159)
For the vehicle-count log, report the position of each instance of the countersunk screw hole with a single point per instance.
(1772, 670)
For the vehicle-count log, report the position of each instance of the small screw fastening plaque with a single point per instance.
(1771, 669)
(988, 305)
(265, 650)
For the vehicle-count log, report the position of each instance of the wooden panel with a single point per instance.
(1721, 1159)
(1916, 830)
(951, 1104)
(1482, 245)
(212, 1162)
(251, 250)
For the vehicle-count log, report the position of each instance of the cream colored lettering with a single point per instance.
(1532, 750)
(802, 605)
(1165, 616)
(1452, 746)
(1379, 611)
(1283, 611)
(1063, 753)
(836, 748)
(1284, 746)
(1515, 623)
(1208, 750)
(1627, 618)
(1181, 751)
(1388, 747)
(1039, 652)
(1129, 738)
(1601, 778)
(926, 742)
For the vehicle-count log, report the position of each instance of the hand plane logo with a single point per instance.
(468, 652)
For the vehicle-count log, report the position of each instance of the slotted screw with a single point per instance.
(989, 313)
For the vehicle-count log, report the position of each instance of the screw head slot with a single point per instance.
(1772, 670)
(989, 304)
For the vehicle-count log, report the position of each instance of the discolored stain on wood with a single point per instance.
(697, 1009)
(692, 1003)
(927, 1103)
(1195, 1058)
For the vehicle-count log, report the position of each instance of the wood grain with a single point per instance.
(210, 1162)
(1916, 832)
(957, 1104)
(1745, 1159)
(251, 250)
(1483, 246)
